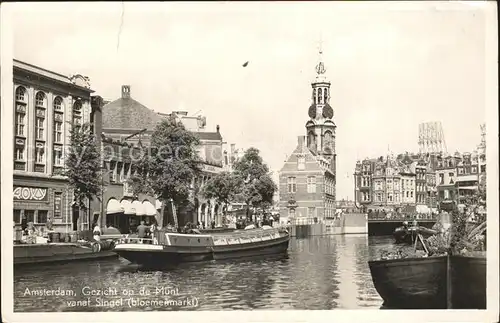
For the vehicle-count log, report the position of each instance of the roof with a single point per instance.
(127, 113)
(208, 135)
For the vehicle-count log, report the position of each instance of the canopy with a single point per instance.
(148, 208)
(128, 208)
(114, 207)
(139, 209)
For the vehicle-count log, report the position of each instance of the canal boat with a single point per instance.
(167, 248)
(453, 282)
(31, 254)
(405, 234)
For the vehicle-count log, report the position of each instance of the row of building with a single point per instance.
(419, 183)
(47, 105)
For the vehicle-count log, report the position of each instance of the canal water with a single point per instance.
(318, 273)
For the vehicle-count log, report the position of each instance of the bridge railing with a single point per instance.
(401, 216)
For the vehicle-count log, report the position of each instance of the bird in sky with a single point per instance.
(245, 64)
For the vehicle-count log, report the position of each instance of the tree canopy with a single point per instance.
(256, 187)
(83, 165)
(171, 163)
(222, 187)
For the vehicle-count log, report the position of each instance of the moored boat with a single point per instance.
(411, 282)
(404, 234)
(167, 248)
(455, 282)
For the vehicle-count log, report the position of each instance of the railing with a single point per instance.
(401, 217)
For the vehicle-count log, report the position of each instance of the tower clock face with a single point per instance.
(312, 111)
(328, 112)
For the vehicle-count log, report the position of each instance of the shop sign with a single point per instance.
(23, 193)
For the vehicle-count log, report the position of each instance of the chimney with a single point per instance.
(301, 140)
(125, 91)
(218, 128)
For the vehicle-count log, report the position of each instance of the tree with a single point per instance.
(256, 188)
(170, 164)
(222, 187)
(83, 165)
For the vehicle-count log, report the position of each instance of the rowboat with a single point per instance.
(454, 282)
(167, 248)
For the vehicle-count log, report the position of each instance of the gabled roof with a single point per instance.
(127, 113)
(208, 135)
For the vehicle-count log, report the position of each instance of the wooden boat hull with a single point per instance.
(468, 282)
(198, 248)
(411, 283)
(454, 282)
(56, 253)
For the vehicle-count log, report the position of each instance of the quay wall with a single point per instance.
(350, 223)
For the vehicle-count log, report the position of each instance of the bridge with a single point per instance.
(384, 224)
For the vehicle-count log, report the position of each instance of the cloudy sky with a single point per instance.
(391, 67)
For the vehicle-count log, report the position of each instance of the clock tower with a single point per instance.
(320, 128)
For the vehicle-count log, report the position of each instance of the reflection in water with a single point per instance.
(318, 273)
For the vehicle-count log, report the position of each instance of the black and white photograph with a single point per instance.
(255, 161)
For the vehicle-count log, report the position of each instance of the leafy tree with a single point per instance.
(171, 163)
(83, 165)
(256, 188)
(222, 187)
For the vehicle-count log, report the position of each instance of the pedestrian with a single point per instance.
(141, 231)
(271, 219)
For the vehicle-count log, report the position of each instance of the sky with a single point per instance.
(391, 66)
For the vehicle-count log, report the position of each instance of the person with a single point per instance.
(24, 225)
(212, 224)
(96, 232)
(141, 230)
(271, 219)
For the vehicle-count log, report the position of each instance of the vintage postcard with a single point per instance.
(255, 161)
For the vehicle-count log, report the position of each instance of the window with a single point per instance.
(39, 155)
(460, 170)
(40, 99)
(411, 194)
(311, 184)
(20, 124)
(30, 215)
(441, 178)
(407, 194)
(301, 163)
(379, 197)
(292, 185)
(77, 114)
(17, 216)
(57, 157)
(39, 128)
(57, 204)
(474, 169)
(389, 197)
(483, 168)
(21, 94)
(451, 174)
(311, 212)
(19, 153)
(41, 217)
(58, 132)
(58, 104)
(291, 213)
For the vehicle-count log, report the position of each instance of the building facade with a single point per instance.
(127, 120)
(307, 180)
(46, 106)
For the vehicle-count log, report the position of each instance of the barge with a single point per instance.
(168, 248)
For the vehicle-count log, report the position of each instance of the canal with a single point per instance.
(319, 273)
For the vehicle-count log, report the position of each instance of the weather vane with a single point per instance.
(320, 68)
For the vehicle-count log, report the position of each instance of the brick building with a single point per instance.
(126, 119)
(308, 178)
(46, 105)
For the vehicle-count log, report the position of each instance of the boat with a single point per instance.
(405, 234)
(168, 248)
(442, 282)
(30, 254)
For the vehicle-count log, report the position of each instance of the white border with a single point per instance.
(490, 315)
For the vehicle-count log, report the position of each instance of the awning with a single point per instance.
(467, 187)
(139, 209)
(148, 208)
(114, 207)
(128, 208)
